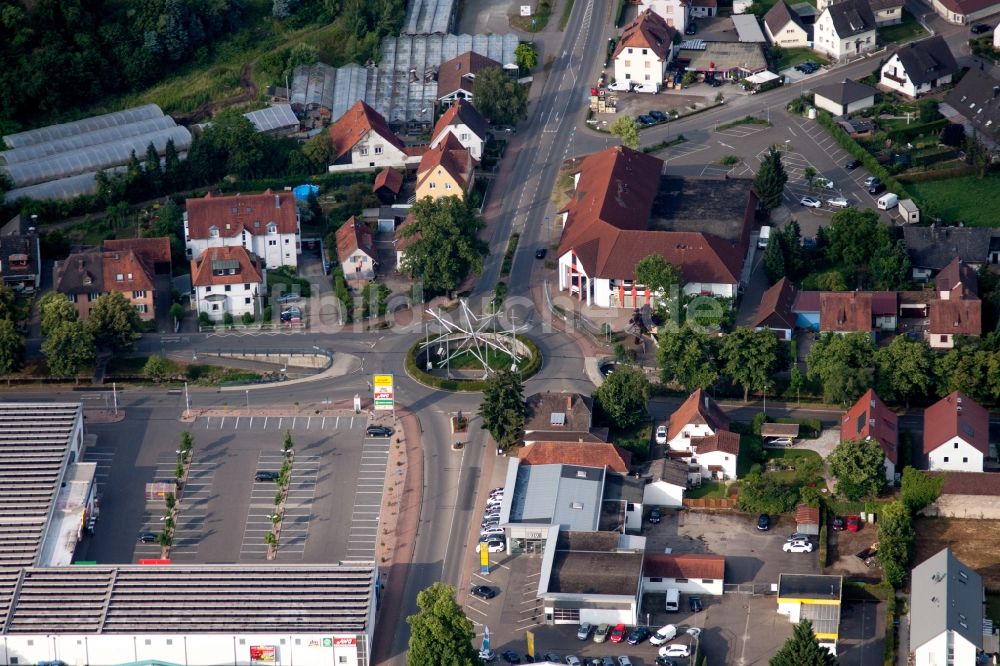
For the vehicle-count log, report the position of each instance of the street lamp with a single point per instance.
(248, 398)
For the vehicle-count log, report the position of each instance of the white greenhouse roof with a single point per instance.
(272, 118)
(53, 132)
(38, 151)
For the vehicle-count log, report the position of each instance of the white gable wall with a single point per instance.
(955, 455)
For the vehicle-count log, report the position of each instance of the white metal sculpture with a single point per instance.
(474, 334)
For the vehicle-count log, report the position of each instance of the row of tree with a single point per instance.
(71, 344)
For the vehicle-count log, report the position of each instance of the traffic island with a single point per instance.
(464, 372)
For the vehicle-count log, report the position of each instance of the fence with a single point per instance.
(710, 503)
(746, 588)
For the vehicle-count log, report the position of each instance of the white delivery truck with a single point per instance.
(765, 237)
(673, 600)
(887, 201)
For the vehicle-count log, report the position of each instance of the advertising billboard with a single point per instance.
(383, 390)
(263, 654)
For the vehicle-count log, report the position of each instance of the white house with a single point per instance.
(692, 573)
(644, 50)
(699, 416)
(363, 141)
(266, 225)
(703, 8)
(946, 611)
(715, 455)
(956, 434)
(668, 479)
(845, 29)
(887, 12)
(784, 28)
(466, 124)
(919, 67)
(356, 250)
(227, 280)
(674, 12)
(844, 98)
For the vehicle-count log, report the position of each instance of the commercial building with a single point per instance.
(946, 612)
(644, 50)
(692, 573)
(723, 60)
(814, 598)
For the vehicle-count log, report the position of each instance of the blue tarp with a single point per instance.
(302, 191)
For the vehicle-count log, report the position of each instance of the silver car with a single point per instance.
(583, 633)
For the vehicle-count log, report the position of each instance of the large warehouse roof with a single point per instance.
(53, 132)
(193, 599)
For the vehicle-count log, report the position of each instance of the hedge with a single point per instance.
(823, 546)
(854, 148)
(910, 131)
(325, 180)
(889, 644)
(471, 385)
(508, 257)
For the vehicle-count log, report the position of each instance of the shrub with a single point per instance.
(204, 319)
(227, 319)
(416, 372)
(823, 546)
(508, 257)
(267, 314)
(248, 318)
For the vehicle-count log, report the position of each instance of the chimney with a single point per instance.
(277, 201)
(569, 403)
(706, 402)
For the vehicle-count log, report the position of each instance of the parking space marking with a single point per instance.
(192, 510)
(683, 150)
(742, 131)
(104, 457)
(366, 511)
(297, 509)
(220, 422)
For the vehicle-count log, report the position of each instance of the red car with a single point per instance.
(853, 523)
(618, 633)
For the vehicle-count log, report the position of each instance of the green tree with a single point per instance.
(503, 409)
(11, 347)
(177, 311)
(319, 150)
(626, 129)
(445, 246)
(661, 278)
(7, 300)
(842, 363)
(623, 396)
(501, 99)
(151, 167)
(895, 542)
(803, 649)
(763, 493)
(904, 369)
(810, 175)
(774, 259)
(155, 368)
(114, 322)
(969, 369)
(920, 489)
(891, 267)
(795, 380)
(67, 348)
(440, 633)
(769, 183)
(858, 467)
(855, 237)
(687, 357)
(526, 56)
(749, 358)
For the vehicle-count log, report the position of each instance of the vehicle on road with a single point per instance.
(663, 634)
(484, 592)
(147, 537)
(620, 86)
(655, 516)
(661, 434)
(540, 253)
(637, 635)
(853, 523)
(838, 202)
(852, 165)
(583, 633)
(510, 657)
(798, 547)
(838, 524)
(675, 650)
(378, 431)
(618, 633)
(980, 28)
(694, 603)
(265, 476)
(601, 633)
(764, 522)
(658, 116)
(809, 202)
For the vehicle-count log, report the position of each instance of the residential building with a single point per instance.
(814, 598)
(227, 280)
(956, 434)
(845, 98)
(996, 37)
(946, 612)
(807, 520)
(644, 50)
(561, 417)
(20, 256)
(845, 29)
(858, 311)
(692, 573)
(446, 170)
(674, 12)
(356, 250)
(456, 77)
(703, 8)
(933, 248)
(784, 28)
(976, 98)
(698, 433)
(667, 479)
(266, 225)
(963, 12)
(590, 454)
(870, 419)
(715, 455)
(362, 140)
(957, 310)
(748, 29)
(741, 6)
(622, 210)
(887, 12)
(775, 310)
(919, 67)
(388, 183)
(723, 60)
(401, 241)
(466, 124)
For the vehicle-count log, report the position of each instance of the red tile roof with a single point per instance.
(806, 301)
(451, 156)
(806, 515)
(845, 311)
(956, 415)
(964, 7)
(151, 251)
(597, 454)
(649, 31)
(694, 565)
(249, 270)
(956, 316)
(355, 124)
(608, 216)
(459, 72)
(775, 309)
(231, 215)
(402, 242)
(389, 178)
(722, 440)
(958, 277)
(970, 483)
(354, 235)
(125, 263)
(868, 418)
(462, 112)
(699, 408)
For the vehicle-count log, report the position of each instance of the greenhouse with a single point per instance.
(53, 132)
(41, 150)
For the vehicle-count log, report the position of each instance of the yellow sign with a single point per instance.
(530, 637)
(383, 393)
(384, 381)
(484, 557)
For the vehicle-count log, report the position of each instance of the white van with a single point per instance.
(623, 85)
(765, 236)
(887, 201)
(647, 88)
(673, 600)
(663, 634)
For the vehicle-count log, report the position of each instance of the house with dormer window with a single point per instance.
(919, 67)
(225, 280)
(266, 225)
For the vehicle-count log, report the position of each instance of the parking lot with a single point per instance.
(224, 512)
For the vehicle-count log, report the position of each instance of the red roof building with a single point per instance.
(456, 77)
(956, 434)
(587, 454)
(387, 185)
(869, 418)
(356, 250)
(227, 280)
(775, 310)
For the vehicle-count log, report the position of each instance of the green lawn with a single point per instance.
(793, 56)
(790, 455)
(968, 199)
(906, 31)
(707, 490)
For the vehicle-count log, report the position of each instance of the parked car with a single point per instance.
(265, 476)
(693, 631)
(484, 592)
(647, 88)
(645, 120)
(655, 516)
(663, 634)
(838, 202)
(607, 661)
(288, 297)
(147, 537)
(510, 657)
(658, 116)
(601, 633)
(665, 661)
(797, 536)
(764, 522)
(552, 656)
(871, 180)
(491, 530)
(877, 188)
(675, 650)
(852, 165)
(715, 83)
(980, 28)
(691, 29)
(573, 660)
(810, 202)
(618, 633)
(624, 661)
(638, 635)
(798, 547)
(620, 86)
(378, 431)
(807, 67)
(838, 524)
(853, 523)
(540, 253)
(492, 546)
(781, 443)
(661, 434)
(694, 603)
(583, 633)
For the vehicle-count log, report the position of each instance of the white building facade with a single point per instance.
(674, 12)
(268, 225)
(895, 77)
(955, 455)
(841, 39)
(227, 281)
